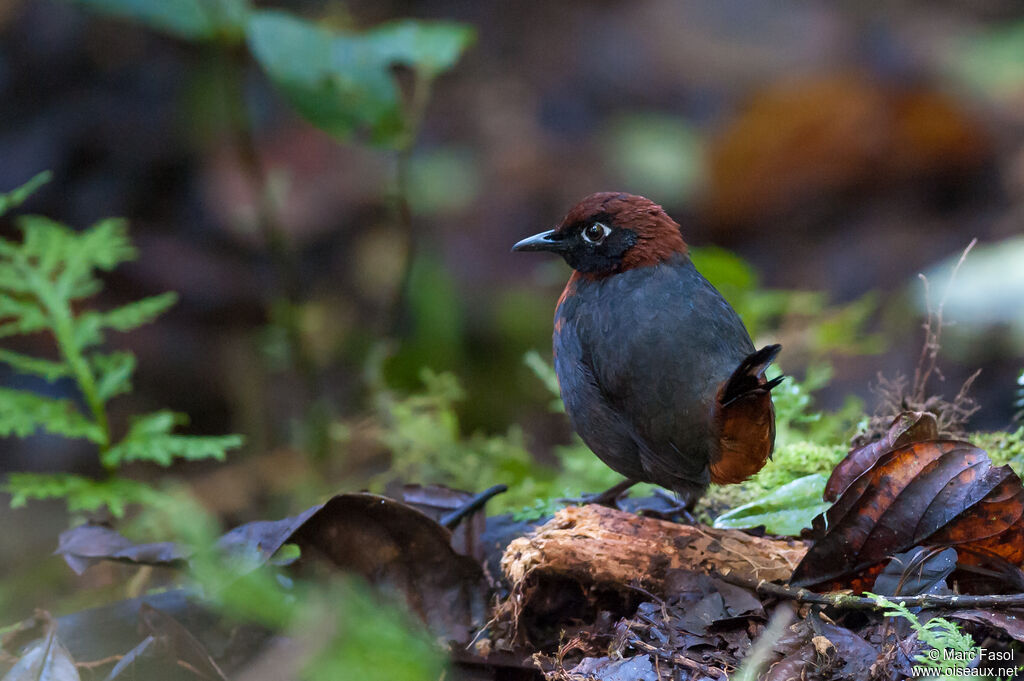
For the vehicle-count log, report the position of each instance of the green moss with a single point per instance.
(1003, 447)
(789, 463)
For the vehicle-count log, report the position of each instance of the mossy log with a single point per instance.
(602, 547)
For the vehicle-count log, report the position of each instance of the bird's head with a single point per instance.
(611, 232)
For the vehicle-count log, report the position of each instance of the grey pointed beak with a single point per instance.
(545, 241)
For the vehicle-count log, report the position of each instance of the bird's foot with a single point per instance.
(680, 508)
(610, 497)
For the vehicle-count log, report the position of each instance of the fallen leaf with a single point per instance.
(45, 660)
(636, 668)
(445, 505)
(180, 642)
(1010, 622)
(917, 571)
(114, 629)
(936, 494)
(401, 549)
(86, 545)
(908, 427)
(257, 541)
(385, 541)
(816, 649)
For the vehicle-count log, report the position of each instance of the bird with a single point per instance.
(657, 372)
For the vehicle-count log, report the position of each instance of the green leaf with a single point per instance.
(16, 197)
(134, 315)
(338, 80)
(21, 315)
(113, 374)
(787, 510)
(150, 439)
(13, 273)
(22, 413)
(81, 494)
(157, 423)
(163, 449)
(430, 47)
(53, 256)
(188, 19)
(724, 269)
(104, 245)
(53, 245)
(90, 325)
(26, 364)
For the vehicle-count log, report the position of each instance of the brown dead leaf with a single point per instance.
(935, 493)
(186, 649)
(45, 660)
(908, 427)
(85, 545)
(395, 546)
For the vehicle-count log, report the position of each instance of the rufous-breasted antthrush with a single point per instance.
(658, 374)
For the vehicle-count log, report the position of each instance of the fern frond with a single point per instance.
(163, 449)
(66, 258)
(144, 311)
(82, 494)
(41, 278)
(26, 364)
(20, 315)
(90, 325)
(113, 373)
(150, 439)
(16, 197)
(23, 413)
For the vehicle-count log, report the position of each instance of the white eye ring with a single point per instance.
(596, 232)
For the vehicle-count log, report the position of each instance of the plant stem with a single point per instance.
(64, 334)
(287, 288)
(275, 238)
(414, 112)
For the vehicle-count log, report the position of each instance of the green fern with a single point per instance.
(44, 279)
(937, 633)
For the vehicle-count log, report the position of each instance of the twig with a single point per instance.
(99, 663)
(901, 394)
(926, 364)
(674, 658)
(851, 602)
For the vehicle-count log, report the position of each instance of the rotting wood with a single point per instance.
(603, 547)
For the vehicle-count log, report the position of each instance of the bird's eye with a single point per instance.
(596, 232)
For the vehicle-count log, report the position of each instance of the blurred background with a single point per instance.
(817, 155)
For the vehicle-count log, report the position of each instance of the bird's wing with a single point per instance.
(604, 430)
(660, 342)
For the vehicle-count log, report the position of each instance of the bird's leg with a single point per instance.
(609, 497)
(681, 507)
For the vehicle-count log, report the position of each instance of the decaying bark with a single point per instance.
(599, 546)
